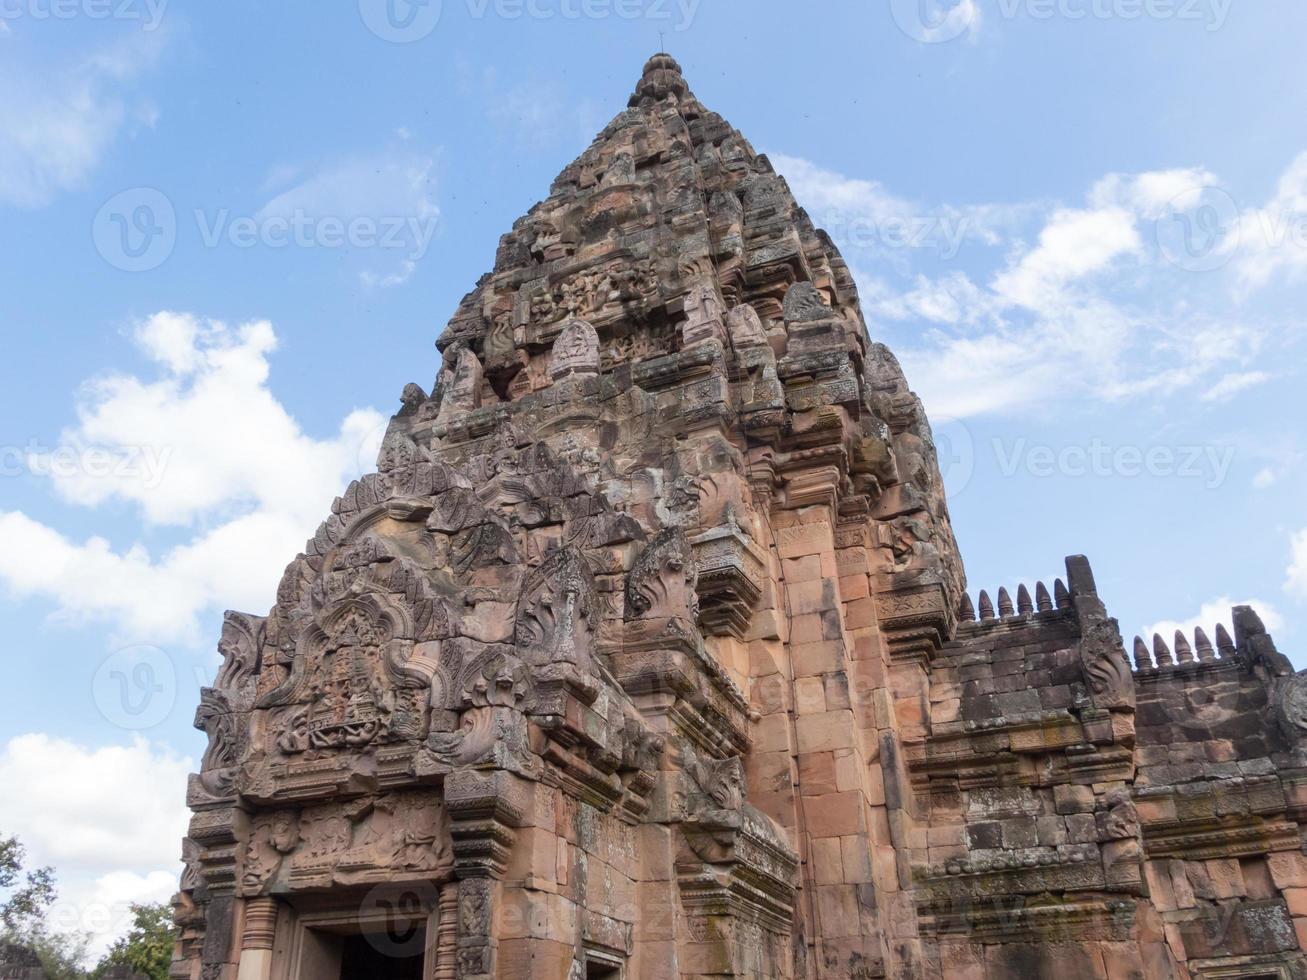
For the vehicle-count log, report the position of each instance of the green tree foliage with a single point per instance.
(147, 947)
(24, 895)
(26, 898)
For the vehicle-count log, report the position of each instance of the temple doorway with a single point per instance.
(364, 959)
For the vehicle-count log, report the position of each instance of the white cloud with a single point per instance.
(58, 120)
(1058, 303)
(95, 810)
(396, 182)
(389, 195)
(1232, 384)
(1211, 613)
(1274, 237)
(1072, 245)
(864, 214)
(205, 445)
(1297, 573)
(1265, 478)
(109, 820)
(1153, 194)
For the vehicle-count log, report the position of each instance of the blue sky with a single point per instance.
(232, 232)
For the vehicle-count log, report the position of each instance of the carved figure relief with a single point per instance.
(576, 351)
(461, 388)
(556, 612)
(662, 582)
(349, 693)
(745, 327)
(1107, 671)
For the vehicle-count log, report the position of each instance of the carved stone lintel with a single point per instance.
(730, 570)
(916, 619)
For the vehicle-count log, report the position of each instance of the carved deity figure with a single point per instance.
(576, 351)
(704, 319)
(460, 389)
(745, 327)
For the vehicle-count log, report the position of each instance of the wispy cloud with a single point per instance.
(1209, 615)
(1051, 301)
(1296, 582)
(204, 445)
(59, 119)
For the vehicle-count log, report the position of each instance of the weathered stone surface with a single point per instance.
(647, 653)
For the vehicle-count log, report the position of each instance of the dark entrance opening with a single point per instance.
(367, 957)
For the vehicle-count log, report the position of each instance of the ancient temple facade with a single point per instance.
(647, 653)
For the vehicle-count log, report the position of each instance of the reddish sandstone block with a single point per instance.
(825, 732)
(1288, 869)
(834, 814)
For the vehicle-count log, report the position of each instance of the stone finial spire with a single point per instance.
(966, 611)
(1223, 642)
(1183, 651)
(1042, 599)
(662, 78)
(1143, 659)
(1062, 596)
(986, 607)
(1206, 652)
(1005, 609)
(1162, 652)
(1024, 606)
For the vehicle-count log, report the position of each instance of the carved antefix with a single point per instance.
(350, 686)
(662, 583)
(576, 351)
(1107, 670)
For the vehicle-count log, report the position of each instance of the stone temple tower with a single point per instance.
(647, 654)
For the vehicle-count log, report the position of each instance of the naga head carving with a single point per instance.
(664, 579)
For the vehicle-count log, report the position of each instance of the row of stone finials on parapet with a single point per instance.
(1201, 651)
